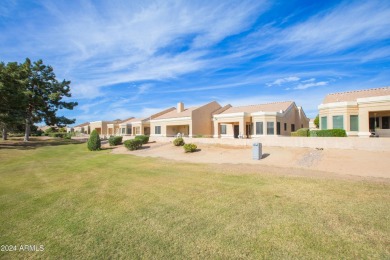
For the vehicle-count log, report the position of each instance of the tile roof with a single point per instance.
(354, 95)
(83, 124)
(175, 114)
(269, 107)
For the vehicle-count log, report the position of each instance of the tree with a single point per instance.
(94, 141)
(317, 121)
(13, 80)
(44, 96)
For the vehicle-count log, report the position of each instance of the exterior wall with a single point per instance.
(169, 125)
(365, 144)
(293, 115)
(202, 119)
(363, 108)
(101, 126)
(345, 110)
(230, 121)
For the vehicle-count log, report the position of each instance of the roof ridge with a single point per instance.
(359, 90)
(269, 103)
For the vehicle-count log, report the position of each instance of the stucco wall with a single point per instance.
(367, 144)
(202, 119)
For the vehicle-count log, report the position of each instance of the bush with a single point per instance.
(94, 141)
(190, 148)
(144, 138)
(68, 136)
(303, 132)
(61, 135)
(294, 134)
(328, 133)
(115, 140)
(133, 144)
(178, 141)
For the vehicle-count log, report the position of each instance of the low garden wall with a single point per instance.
(358, 143)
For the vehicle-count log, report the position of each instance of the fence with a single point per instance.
(358, 143)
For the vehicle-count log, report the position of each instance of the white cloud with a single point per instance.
(312, 84)
(281, 81)
(343, 27)
(131, 41)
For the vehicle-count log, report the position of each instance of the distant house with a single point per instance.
(139, 126)
(360, 112)
(102, 127)
(190, 121)
(114, 127)
(82, 128)
(278, 118)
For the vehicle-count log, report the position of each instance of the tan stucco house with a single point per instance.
(139, 126)
(82, 128)
(102, 127)
(189, 122)
(360, 113)
(278, 118)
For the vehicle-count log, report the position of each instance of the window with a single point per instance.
(338, 122)
(157, 130)
(292, 128)
(385, 122)
(223, 129)
(354, 123)
(129, 131)
(259, 128)
(123, 130)
(278, 128)
(285, 126)
(270, 128)
(324, 123)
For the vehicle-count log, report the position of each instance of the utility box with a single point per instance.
(257, 151)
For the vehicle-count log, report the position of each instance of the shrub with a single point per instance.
(144, 138)
(328, 133)
(178, 141)
(68, 136)
(61, 135)
(303, 132)
(190, 148)
(294, 134)
(94, 141)
(50, 130)
(317, 121)
(115, 140)
(133, 144)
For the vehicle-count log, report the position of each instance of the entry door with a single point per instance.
(236, 131)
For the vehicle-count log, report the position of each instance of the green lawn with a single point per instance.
(82, 204)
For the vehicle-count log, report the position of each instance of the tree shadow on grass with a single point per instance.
(34, 143)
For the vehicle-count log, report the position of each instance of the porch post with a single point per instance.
(216, 129)
(241, 127)
(364, 124)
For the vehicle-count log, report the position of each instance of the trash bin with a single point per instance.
(257, 152)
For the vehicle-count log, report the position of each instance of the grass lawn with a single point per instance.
(82, 204)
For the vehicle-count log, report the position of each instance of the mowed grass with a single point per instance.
(89, 205)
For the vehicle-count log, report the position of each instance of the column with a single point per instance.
(216, 129)
(364, 124)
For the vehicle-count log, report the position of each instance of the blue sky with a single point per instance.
(133, 58)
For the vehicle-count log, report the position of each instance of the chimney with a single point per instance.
(180, 107)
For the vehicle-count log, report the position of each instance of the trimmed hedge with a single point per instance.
(190, 148)
(328, 133)
(94, 141)
(144, 138)
(115, 140)
(133, 144)
(301, 132)
(178, 141)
